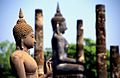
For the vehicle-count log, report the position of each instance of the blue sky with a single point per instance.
(70, 9)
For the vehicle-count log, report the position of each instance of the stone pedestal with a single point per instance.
(70, 76)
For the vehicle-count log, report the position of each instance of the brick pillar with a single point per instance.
(114, 62)
(79, 45)
(101, 42)
(38, 53)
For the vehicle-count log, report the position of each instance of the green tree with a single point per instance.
(6, 48)
(47, 53)
(90, 58)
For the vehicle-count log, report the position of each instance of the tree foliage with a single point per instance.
(47, 54)
(90, 58)
(6, 48)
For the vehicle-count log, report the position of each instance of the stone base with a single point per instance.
(69, 71)
(69, 76)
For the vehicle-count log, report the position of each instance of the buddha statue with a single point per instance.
(22, 64)
(61, 63)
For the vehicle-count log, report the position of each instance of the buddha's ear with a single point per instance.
(22, 44)
(57, 28)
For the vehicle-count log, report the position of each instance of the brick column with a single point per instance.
(79, 45)
(101, 42)
(38, 53)
(114, 61)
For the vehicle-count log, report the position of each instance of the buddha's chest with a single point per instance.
(29, 64)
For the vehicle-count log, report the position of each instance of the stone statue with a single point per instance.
(61, 63)
(23, 65)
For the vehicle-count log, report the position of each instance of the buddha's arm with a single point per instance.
(61, 51)
(19, 66)
(67, 60)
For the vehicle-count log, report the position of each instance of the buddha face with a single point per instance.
(29, 40)
(62, 27)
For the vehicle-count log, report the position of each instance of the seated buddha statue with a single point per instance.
(22, 64)
(62, 63)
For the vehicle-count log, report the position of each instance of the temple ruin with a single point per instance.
(59, 65)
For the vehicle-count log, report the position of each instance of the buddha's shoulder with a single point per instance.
(17, 54)
(57, 36)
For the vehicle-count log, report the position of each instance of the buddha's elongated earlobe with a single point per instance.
(22, 45)
(58, 30)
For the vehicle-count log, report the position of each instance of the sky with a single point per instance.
(72, 10)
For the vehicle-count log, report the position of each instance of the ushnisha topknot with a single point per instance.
(58, 18)
(21, 29)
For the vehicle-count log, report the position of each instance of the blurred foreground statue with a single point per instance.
(62, 65)
(23, 65)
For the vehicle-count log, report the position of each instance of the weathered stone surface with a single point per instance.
(23, 65)
(38, 53)
(79, 44)
(114, 61)
(101, 42)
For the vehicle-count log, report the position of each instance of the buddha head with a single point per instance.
(58, 21)
(23, 33)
